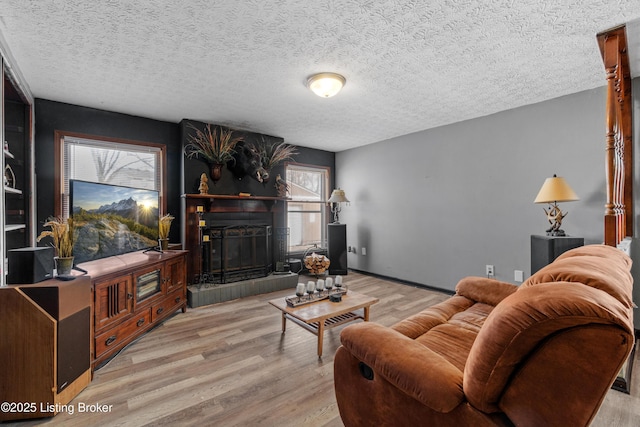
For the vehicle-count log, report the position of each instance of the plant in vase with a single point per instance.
(215, 146)
(164, 224)
(272, 154)
(62, 234)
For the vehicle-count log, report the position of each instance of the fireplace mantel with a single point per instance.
(212, 197)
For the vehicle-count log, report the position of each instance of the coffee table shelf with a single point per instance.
(329, 323)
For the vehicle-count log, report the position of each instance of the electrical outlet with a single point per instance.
(363, 251)
(490, 271)
(518, 276)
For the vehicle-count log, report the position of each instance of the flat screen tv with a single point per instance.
(111, 219)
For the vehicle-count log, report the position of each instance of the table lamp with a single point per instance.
(337, 197)
(555, 190)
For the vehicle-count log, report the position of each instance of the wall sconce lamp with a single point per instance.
(555, 190)
(337, 197)
(326, 85)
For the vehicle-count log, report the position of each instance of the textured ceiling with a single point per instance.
(410, 65)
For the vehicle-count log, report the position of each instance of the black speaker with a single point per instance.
(30, 265)
(74, 348)
(70, 304)
(337, 248)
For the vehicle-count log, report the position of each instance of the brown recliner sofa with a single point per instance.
(541, 354)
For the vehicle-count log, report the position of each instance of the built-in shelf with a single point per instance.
(12, 190)
(17, 205)
(14, 227)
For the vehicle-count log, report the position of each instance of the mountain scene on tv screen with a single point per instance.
(113, 229)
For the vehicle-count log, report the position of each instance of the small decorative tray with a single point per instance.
(295, 301)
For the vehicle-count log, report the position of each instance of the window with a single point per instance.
(307, 211)
(108, 161)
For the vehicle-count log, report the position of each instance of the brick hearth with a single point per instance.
(208, 293)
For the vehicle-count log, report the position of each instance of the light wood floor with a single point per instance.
(229, 365)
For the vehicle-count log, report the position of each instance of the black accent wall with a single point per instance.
(52, 115)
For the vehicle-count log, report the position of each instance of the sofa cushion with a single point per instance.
(482, 289)
(450, 328)
(608, 273)
(603, 251)
(453, 340)
(424, 321)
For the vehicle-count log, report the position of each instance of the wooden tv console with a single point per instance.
(133, 293)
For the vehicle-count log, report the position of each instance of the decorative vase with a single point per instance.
(64, 265)
(164, 244)
(215, 171)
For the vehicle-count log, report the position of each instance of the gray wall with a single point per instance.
(438, 205)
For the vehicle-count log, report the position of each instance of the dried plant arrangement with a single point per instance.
(62, 233)
(274, 153)
(215, 146)
(164, 225)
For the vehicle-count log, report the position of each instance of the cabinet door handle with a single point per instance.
(140, 322)
(110, 340)
(159, 310)
(129, 295)
(177, 299)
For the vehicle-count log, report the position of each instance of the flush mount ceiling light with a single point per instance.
(326, 85)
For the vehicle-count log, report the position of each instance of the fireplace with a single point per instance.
(235, 243)
(232, 238)
(236, 252)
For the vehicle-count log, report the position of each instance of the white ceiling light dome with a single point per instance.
(326, 85)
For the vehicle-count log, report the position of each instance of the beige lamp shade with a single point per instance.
(326, 85)
(555, 189)
(337, 196)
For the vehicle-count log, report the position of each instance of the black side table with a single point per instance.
(544, 249)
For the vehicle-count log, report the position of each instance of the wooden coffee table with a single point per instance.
(318, 316)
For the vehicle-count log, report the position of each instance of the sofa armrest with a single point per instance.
(485, 290)
(408, 365)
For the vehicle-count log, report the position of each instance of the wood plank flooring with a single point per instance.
(229, 365)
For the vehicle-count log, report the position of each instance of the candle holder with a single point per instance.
(300, 290)
(317, 291)
(319, 287)
(311, 288)
(328, 284)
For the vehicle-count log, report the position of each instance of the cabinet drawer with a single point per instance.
(113, 338)
(168, 305)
